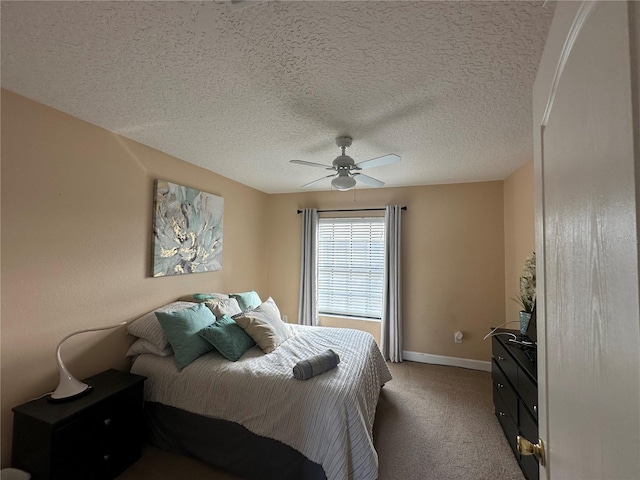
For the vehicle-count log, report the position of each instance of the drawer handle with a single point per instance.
(535, 409)
(502, 414)
(499, 385)
(107, 422)
(502, 359)
(106, 458)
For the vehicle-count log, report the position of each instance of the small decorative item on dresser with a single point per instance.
(527, 293)
(525, 318)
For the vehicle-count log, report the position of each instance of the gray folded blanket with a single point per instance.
(315, 365)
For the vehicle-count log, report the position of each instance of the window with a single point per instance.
(351, 267)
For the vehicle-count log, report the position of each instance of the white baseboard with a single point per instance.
(449, 361)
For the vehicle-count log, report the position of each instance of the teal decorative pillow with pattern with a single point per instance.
(228, 338)
(247, 300)
(181, 328)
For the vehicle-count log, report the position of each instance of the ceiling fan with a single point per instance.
(346, 170)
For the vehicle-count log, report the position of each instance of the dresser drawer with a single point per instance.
(504, 390)
(94, 465)
(528, 391)
(507, 423)
(528, 426)
(529, 430)
(506, 362)
(102, 442)
(106, 423)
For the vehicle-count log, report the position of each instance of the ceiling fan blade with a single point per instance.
(361, 177)
(318, 180)
(378, 161)
(311, 164)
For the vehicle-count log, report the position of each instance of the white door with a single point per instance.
(587, 175)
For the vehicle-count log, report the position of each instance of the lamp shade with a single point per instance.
(70, 387)
(343, 181)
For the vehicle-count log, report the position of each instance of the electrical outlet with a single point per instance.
(285, 319)
(457, 337)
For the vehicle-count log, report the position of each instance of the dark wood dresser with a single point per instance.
(515, 395)
(96, 436)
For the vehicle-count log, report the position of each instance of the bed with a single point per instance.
(252, 418)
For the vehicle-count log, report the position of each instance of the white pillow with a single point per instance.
(141, 346)
(148, 328)
(264, 325)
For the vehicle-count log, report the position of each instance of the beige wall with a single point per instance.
(453, 259)
(369, 326)
(76, 245)
(76, 249)
(519, 238)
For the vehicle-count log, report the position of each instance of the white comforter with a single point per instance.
(328, 418)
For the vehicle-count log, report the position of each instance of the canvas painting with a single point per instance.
(187, 230)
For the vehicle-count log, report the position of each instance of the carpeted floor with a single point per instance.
(432, 423)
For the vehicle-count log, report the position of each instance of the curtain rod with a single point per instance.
(353, 210)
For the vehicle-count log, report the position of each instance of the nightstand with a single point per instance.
(92, 437)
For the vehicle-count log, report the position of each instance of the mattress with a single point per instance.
(328, 418)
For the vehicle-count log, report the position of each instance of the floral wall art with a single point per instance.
(187, 230)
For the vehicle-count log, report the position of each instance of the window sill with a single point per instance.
(348, 317)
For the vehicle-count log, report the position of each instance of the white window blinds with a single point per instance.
(351, 266)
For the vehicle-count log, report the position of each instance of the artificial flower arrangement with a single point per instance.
(527, 295)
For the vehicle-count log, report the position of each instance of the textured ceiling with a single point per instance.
(241, 91)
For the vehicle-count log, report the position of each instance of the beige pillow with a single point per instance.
(264, 325)
(223, 306)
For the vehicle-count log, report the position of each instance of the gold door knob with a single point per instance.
(525, 447)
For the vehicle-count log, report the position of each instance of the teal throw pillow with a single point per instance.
(181, 328)
(227, 336)
(247, 300)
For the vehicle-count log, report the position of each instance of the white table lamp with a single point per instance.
(70, 387)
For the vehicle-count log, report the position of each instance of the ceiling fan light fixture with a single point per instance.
(346, 169)
(343, 182)
(343, 161)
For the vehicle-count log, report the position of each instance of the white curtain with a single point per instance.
(391, 335)
(308, 304)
